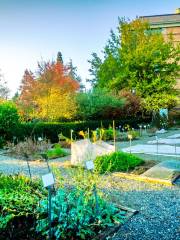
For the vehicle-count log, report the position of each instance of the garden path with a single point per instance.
(146, 147)
(158, 206)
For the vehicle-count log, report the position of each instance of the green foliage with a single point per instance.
(159, 121)
(117, 161)
(98, 104)
(19, 197)
(52, 130)
(103, 134)
(56, 152)
(139, 58)
(9, 119)
(75, 215)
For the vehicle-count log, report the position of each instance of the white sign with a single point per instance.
(48, 179)
(163, 112)
(89, 165)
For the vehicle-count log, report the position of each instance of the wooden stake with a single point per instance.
(114, 134)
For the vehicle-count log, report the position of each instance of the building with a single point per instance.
(166, 23)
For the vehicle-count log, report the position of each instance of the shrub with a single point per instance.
(117, 161)
(29, 147)
(19, 197)
(132, 104)
(75, 215)
(9, 120)
(98, 104)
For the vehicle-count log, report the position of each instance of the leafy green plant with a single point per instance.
(56, 152)
(75, 215)
(19, 197)
(117, 161)
(9, 119)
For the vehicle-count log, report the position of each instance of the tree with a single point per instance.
(138, 58)
(74, 75)
(4, 90)
(50, 94)
(99, 104)
(59, 57)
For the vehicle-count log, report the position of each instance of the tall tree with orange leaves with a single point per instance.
(50, 94)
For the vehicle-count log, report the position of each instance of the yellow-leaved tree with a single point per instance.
(50, 94)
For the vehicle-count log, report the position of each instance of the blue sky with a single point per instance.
(31, 30)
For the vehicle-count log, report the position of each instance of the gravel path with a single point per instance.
(158, 206)
(11, 165)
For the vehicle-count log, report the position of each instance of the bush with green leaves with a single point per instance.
(9, 120)
(19, 197)
(117, 161)
(77, 215)
(99, 104)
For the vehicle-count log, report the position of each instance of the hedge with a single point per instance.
(51, 130)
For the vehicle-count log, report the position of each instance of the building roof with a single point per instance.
(165, 20)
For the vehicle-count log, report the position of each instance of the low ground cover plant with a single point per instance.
(56, 152)
(117, 161)
(19, 197)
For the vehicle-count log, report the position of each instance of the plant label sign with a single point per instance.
(48, 180)
(89, 165)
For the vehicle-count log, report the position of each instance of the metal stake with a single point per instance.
(88, 133)
(49, 212)
(29, 169)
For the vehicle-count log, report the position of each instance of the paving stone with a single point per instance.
(166, 170)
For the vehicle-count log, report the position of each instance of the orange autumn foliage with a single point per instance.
(51, 84)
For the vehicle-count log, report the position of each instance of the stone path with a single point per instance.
(169, 145)
(166, 170)
(153, 149)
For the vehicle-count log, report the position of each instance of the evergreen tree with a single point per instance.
(59, 57)
(4, 90)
